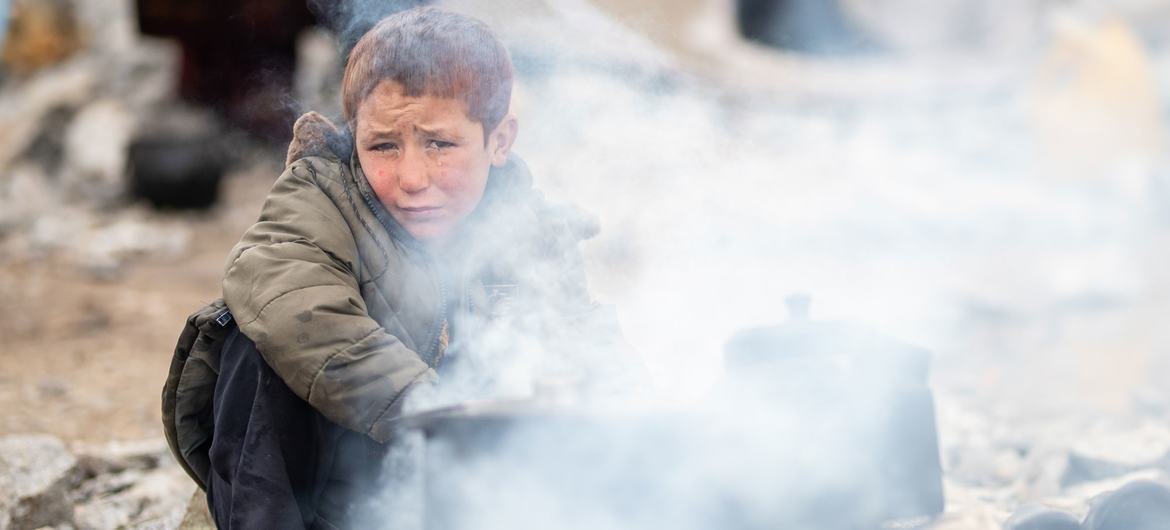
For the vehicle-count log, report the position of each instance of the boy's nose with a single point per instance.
(412, 172)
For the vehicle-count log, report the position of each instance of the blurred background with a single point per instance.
(987, 179)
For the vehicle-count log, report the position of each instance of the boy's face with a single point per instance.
(425, 159)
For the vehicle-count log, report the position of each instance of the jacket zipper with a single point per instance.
(434, 355)
(433, 351)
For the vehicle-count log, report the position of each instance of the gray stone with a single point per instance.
(1138, 505)
(25, 192)
(157, 499)
(1081, 468)
(96, 142)
(107, 484)
(130, 484)
(1035, 517)
(107, 513)
(36, 474)
(117, 457)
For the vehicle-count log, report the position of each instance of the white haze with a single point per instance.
(929, 210)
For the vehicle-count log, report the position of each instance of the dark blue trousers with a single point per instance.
(268, 449)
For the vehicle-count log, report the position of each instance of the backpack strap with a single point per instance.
(190, 385)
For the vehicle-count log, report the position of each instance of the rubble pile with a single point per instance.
(127, 484)
(36, 474)
(1001, 463)
(68, 115)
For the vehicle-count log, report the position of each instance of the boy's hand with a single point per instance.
(416, 396)
(421, 394)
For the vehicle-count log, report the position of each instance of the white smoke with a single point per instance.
(933, 209)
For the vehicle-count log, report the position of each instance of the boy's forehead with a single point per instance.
(388, 107)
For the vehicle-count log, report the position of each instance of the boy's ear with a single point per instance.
(501, 139)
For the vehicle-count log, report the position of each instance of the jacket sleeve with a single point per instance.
(292, 285)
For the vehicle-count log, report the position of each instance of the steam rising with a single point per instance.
(942, 208)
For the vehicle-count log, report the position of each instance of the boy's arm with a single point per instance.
(292, 285)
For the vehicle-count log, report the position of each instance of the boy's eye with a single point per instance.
(384, 146)
(439, 144)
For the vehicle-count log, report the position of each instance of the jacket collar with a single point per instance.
(397, 231)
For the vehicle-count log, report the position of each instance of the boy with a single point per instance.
(381, 250)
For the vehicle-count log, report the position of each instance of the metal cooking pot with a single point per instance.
(818, 425)
(529, 465)
(876, 383)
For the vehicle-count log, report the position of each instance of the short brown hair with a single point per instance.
(432, 52)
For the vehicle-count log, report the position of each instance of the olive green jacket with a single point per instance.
(349, 309)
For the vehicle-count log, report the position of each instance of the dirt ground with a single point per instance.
(84, 357)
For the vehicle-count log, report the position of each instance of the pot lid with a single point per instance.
(805, 340)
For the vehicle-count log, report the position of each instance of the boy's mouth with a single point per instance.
(420, 213)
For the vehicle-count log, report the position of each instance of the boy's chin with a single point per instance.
(433, 229)
(430, 232)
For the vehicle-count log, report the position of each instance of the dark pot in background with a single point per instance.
(177, 171)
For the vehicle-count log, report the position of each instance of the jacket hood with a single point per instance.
(316, 135)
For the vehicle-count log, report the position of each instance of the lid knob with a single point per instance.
(798, 305)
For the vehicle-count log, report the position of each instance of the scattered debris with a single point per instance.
(36, 475)
(95, 144)
(1037, 517)
(117, 485)
(65, 135)
(99, 243)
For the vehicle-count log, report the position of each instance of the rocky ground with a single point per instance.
(113, 485)
(82, 361)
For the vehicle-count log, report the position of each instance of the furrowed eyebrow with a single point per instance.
(380, 135)
(438, 131)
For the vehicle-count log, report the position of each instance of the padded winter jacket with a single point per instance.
(350, 310)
